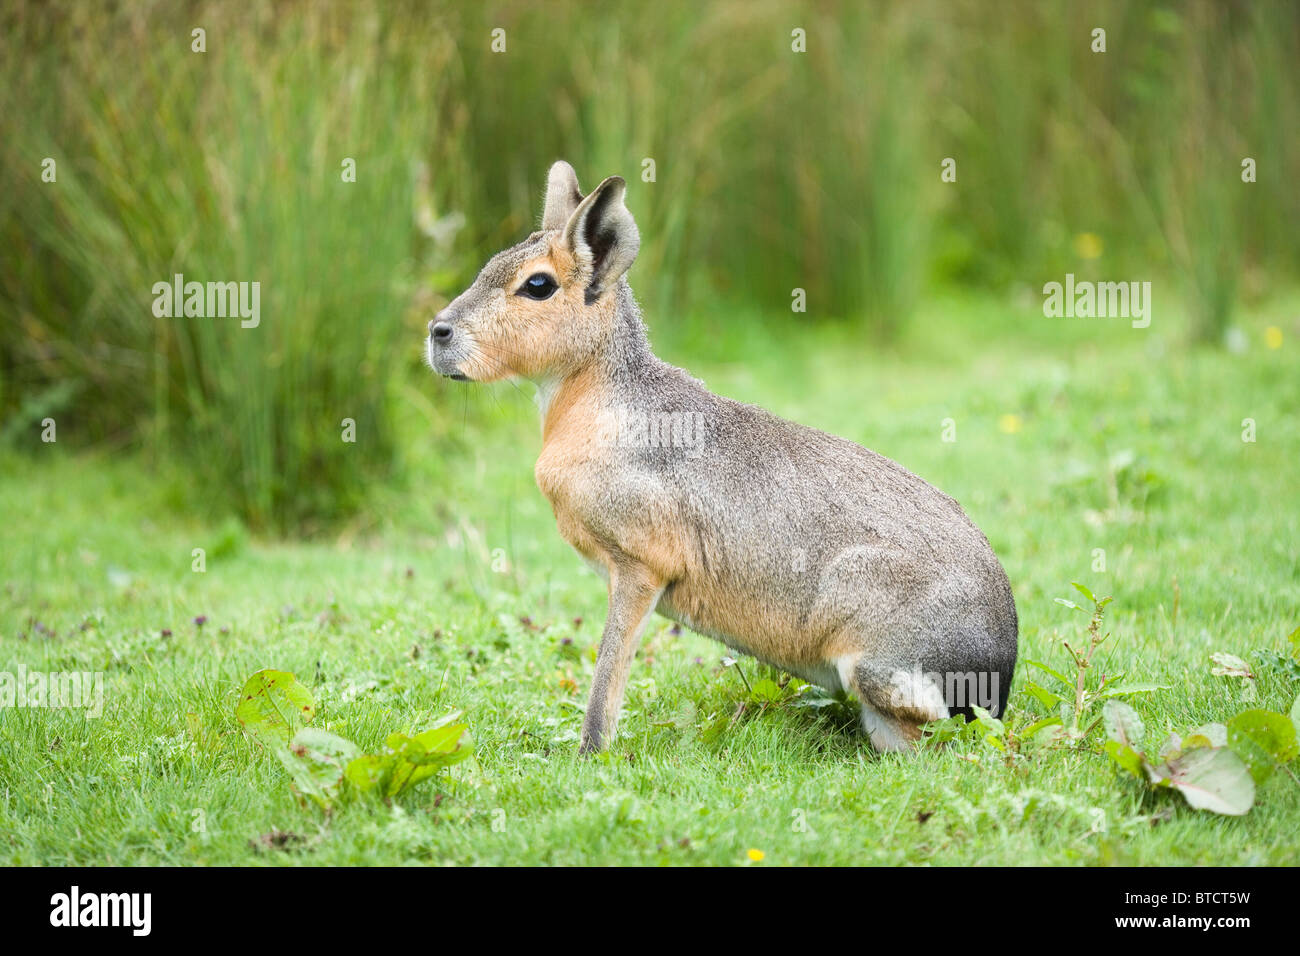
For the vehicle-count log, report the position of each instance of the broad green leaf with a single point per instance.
(1215, 779)
(1206, 735)
(451, 717)
(1159, 776)
(1229, 665)
(369, 771)
(406, 761)
(1084, 591)
(941, 731)
(1294, 639)
(1050, 733)
(1172, 747)
(272, 706)
(1047, 670)
(765, 691)
(304, 780)
(991, 725)
(329, 753)
(1047, 698)
(1038, 725)
(1067, 603)
(444, 745)
(715, 726)
(1125, 757)
(324, 746)
(1122, 722)
(316, 760)
(1263, 740)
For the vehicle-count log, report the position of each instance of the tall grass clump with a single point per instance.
(225, 166)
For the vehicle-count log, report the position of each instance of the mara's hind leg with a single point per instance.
(895, 704)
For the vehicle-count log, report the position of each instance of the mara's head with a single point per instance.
(545, 306)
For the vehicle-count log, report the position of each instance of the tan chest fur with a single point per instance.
(604, 510)
(570, 453)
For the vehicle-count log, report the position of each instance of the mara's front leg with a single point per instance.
(633, 593)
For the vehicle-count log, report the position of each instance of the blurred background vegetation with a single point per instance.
(774, 170)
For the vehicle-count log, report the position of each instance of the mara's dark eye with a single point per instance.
(538, 286)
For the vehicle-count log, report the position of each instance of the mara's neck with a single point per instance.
(622, 358)
(628, 350)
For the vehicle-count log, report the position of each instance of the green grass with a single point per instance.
(395, 622)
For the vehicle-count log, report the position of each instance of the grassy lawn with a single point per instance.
(1071, 436)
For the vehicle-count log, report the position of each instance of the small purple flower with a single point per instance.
(166, 632)
(200, 620)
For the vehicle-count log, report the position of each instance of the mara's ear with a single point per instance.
(562, 196)
(603, 236)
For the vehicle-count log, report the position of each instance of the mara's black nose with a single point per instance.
(441, 331)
